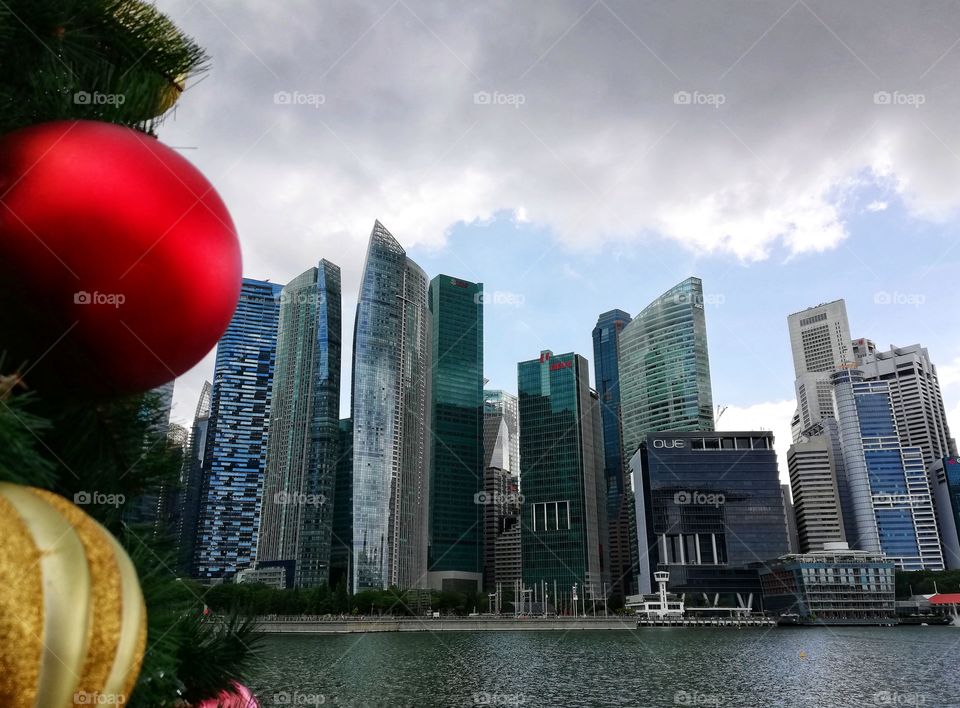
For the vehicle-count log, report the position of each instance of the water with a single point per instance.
(904, 666)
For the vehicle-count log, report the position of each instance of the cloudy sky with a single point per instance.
(580, 156)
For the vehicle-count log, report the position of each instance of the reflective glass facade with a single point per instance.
(236, 447)
(563, 517)
(664, 367)
(390, 413)
(304, 437)
(890, 496)
(709, 506)
(456, 470)
(342, 541)
(623, 548)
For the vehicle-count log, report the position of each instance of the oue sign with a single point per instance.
(669, 444)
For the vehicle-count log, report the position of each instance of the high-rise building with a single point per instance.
(945, 481)
(821, 344)
(391, 415)
(501, 501)
(709, 508)
(502, 405)
(191, 478)
(304, 434)
(664, 367)
(890, 499)
(564, 500)
(342, 542)
(816, 498)
(623, 551)
(863, 348)
(793, 535)
(236, 447)
(916, 398)
(456, 466)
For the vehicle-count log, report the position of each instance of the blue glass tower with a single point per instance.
(622, 543)
(236, 449)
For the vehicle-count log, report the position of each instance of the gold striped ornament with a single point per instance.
(73, 625)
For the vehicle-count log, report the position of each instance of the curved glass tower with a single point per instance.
(390, 411)
(664, 367)
(303, 443)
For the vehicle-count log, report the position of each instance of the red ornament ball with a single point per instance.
(119, 263)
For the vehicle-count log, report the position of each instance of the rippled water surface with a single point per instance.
(915, 666)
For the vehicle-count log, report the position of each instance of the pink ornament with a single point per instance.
(239, 697)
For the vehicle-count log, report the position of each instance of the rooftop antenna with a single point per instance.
(720, 411)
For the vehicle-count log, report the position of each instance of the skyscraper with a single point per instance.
(342, 543)
(191, 478)
(945, 483)
(620, 508)
(503, 406)
(304, 434)
(664, 367)
(391, 414)
(501, 507)
(456, 466)
(816, 498)
(236, 449)
(890, 496)
(564, 500)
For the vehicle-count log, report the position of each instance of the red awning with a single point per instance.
(952, 598)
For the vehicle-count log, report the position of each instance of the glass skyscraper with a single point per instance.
(889, 493)
(304, 437)
(456, 468)
(623, 550)
(342, 543)
(236, 447)
(391, 414)
(664, 367)
(191, 476)
(503, 406)
(564, 512)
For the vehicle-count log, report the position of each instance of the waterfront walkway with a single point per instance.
(298, 625)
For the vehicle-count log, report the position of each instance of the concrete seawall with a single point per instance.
(469, 624)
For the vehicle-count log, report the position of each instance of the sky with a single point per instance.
(581, 156)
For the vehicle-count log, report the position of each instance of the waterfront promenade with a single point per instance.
(319, 625)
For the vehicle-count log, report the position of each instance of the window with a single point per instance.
(551, 516)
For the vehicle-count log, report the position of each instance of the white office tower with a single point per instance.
(820, 340)
(891, 505)
(916, 399)
(816, 499)
(863, 348)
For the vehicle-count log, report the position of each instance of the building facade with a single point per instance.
(191, 478)
(944, 478)
(501, 503)
(890, 499)
(503, 405)
(391, 415)
(816, 499)
(236, 448)
(304, 433)
(623, 551)
(341, 545)
(456, 465)
(708, 506)
(665, 368)
(564, 497)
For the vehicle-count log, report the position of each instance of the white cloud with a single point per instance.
(877, 205)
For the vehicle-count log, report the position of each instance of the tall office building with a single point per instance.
(503, 406)
(391, 414)
(623, 550)
(564, 500)
(501, 501)
(792, 534)
(664, 367)
(236, 447)
(709, 508)
(820, 341)
(456, 466)
(191, 478)
(945, 482)
(816, 498)
(304, 434)
(342, 542)
(916, 398)
(890, 496)
(863, 348)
